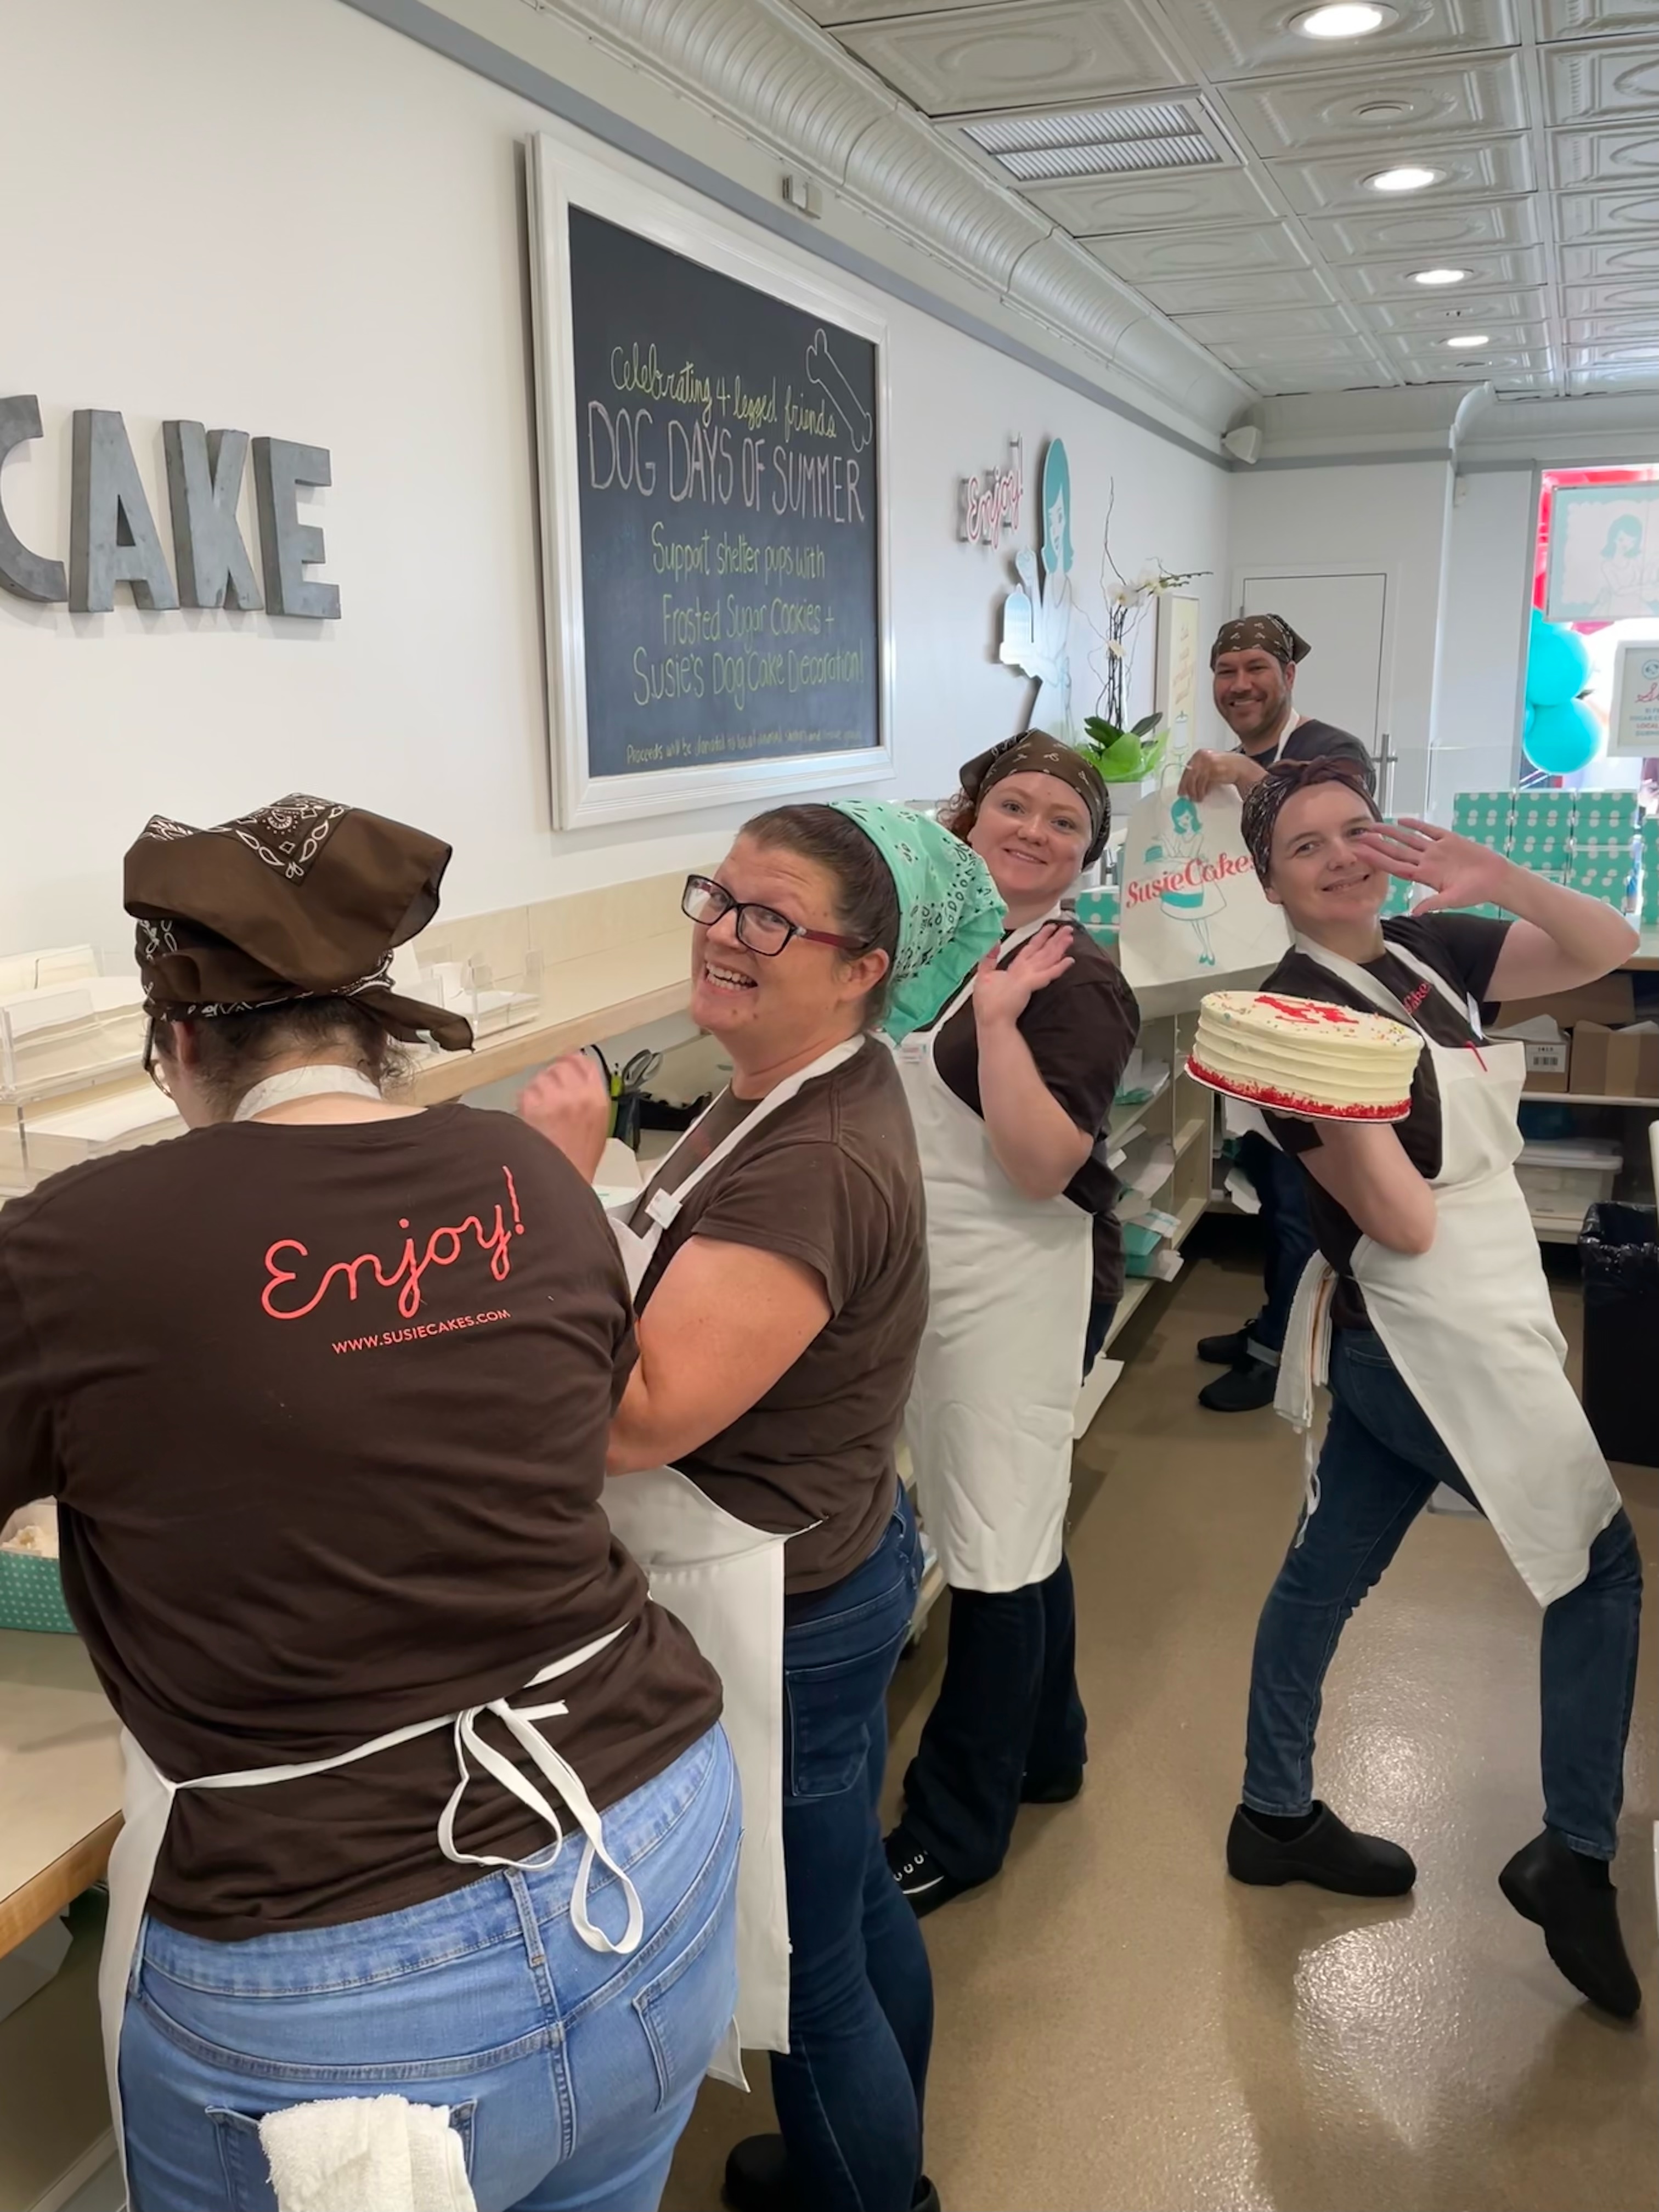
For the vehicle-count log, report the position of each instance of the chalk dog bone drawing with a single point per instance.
(825, 371)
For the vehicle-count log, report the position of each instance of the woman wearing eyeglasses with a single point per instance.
(780, 1260)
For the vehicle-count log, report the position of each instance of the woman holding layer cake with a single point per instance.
(1010, 1089)
(1429, 1305)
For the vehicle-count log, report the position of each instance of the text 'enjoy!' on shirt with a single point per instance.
(325, 1409)
(1464, 949)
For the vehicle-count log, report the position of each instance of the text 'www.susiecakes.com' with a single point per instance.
(410, 1335)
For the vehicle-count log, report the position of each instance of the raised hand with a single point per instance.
(1455, 870)
(1002, 994)
(569, 1104)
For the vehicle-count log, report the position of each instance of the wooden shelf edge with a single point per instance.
(523, 1049)
(43, 1896)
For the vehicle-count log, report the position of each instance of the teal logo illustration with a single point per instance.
(1188, 884)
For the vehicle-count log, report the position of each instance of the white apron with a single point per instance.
(989, 1418)
(1468, 1323)
(725, 1581)
(147, 1805)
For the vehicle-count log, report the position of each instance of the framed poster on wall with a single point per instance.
(1177, 678)
(713, 451)
(1603, 552)
(1633, 725)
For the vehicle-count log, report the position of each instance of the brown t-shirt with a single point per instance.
(831, 1179)
(1464, 949)
(325, 1409)
(1081, 1030)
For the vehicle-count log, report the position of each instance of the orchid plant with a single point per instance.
(1126, 752)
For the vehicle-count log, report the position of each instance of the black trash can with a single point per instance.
(1619, 1248)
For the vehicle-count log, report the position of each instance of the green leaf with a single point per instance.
(1147, 723)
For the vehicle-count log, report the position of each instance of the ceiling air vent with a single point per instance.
(1093, 141)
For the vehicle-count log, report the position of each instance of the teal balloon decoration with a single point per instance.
(1561, 738)
(1558, 664)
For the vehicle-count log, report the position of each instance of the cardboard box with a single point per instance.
(1548, 811)
(1540, 849)
(1615, 1063)
(1610, 1001)
(1492, 810)
(1548, 1058)
(1610, 814)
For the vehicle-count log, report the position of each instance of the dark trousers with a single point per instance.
(1381, 1462)
(1282, 1187)
(1008, 1709)
(849, 2092)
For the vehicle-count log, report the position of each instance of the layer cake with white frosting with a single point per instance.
(1305, 1056)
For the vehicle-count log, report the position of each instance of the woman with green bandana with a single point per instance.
(780, 1270)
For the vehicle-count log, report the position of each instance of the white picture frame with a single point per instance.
(1177, 681)
(1633, 725)
(563, 174)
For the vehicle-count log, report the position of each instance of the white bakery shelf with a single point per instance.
(1556, 1229)
(1097, 1388)
(1186, 1219)
(1134, 1291)
(1586, 1098)
(1189, 1133)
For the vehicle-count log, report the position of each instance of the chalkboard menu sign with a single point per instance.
(722, 582)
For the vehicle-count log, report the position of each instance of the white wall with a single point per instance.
(287, 219)
(1484, 635)
(1390, 516)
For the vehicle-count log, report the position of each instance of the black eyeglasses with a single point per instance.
(761, 928)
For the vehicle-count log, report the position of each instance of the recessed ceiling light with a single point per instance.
(1349, 19)
(1468, 342)
(1408, 178)
(1440, 276)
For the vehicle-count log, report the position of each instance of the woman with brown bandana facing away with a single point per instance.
(323, 1389)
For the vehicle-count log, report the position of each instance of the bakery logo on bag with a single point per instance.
(297, 1283)
(1194, 876)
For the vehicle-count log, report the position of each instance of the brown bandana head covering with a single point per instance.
(1264, 633)
(1035, 753)
(302, 899)
(1264, 802)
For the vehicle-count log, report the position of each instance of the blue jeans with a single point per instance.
(1282, 1186)
(1381, 1462)
(849, 2094)
(569, 2072)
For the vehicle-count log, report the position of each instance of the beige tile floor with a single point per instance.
(1120, 2026)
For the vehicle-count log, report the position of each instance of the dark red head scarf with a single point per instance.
(1264, 802)
(1260, 633)
(301, 899)
(1035, 753)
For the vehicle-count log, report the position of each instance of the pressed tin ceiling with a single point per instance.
(1218, 161)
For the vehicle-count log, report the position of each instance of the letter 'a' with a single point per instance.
(112, 534)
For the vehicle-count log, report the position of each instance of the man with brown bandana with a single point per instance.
(1253, 665)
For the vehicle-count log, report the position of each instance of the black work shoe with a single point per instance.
(1568, 1897)
(757, 2179)
(1327, 1854)
(1225, 1351)
(1245, 1388)
(1056, 1788)
(919, 1875)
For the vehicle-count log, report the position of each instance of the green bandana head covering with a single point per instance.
(949, 911)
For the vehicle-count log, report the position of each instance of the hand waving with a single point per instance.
(570, 1106)
(1455, 870)
(1002, 994)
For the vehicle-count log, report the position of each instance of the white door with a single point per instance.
(1345, 620)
